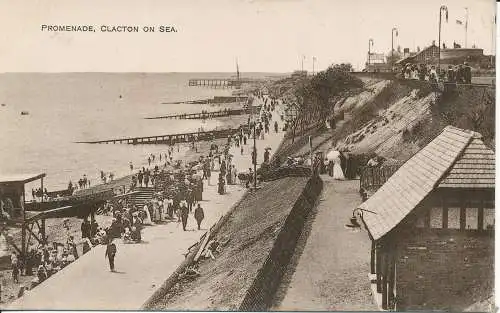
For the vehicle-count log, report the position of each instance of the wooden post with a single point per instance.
(44, 238)
(480, 216)
(24, 225)
(392, 277)
(378, 265)
(385, 280)
(445, 213)
(462, 212)
(372, 258)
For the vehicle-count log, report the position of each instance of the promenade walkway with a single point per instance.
(141, 268)
(329, 270)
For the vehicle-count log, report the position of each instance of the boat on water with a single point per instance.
(25, 113)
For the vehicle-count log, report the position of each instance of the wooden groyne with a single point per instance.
(201, 115)
(171, 138)
(214, 100)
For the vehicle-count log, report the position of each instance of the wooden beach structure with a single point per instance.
(31, 217)
(221, 82)
(234, 82)
(432, 226)
(203, 115)
(171, 138)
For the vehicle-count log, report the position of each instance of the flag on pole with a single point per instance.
(459, 22)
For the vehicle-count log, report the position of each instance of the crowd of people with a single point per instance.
(7, 208)
(461, 74)
(178, 191)
(47, 258)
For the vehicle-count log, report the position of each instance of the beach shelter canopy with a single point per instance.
(20, 178)
(456, 158)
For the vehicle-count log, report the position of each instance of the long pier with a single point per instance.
(171, 138)
(220, 82)
(204, 115)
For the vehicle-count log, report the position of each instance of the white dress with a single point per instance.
(147, 220)
(337, 169)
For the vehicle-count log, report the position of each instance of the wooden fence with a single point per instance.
(372, 178)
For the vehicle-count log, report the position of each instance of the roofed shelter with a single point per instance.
(431, 226)
(13, 213)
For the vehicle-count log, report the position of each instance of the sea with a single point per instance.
(63, 108)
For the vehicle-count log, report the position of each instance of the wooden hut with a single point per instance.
(431, 226)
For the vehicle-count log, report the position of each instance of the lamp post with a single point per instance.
(394, 29)
(442, 9)
(254, 157)
(370, 44)
(466, 24)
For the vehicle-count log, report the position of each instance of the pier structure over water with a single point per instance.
(234, 82)
(204, 115)
(221, 82)
(171, 138)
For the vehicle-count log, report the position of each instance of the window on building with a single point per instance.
(471, 218)
(454, 218)
(489, 218)
(436, 217)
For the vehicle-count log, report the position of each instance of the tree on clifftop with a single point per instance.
(317, 93)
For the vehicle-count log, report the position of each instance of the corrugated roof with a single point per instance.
(455, 158)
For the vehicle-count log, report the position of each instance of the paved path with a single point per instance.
(141, 268)
(329, 270)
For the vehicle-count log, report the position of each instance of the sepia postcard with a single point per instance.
(247, 155)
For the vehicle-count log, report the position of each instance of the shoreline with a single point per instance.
(145, 276)
(186, 154)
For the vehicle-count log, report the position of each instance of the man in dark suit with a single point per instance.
(110, 254)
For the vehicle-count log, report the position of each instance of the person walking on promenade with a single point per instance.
(190, 199)
(235, 174)
(134, 182)
(266, 156)
(140, 177)
(245, 140)
(221, 185)
(199, 215)
(254, 156)
(184, 215)
(275, 126)
(131, 166)
(209, 172)
(146, 179)
(110, 254)
(85, 228)
(14, 261)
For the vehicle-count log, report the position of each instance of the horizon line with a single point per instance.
(141, 72)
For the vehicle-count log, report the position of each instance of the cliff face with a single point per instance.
(394, 119)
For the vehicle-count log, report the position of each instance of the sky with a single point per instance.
(263, 35)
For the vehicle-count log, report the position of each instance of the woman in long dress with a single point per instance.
(337, 169)
(147, 220)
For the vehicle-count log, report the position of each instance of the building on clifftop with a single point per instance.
(432, 227)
